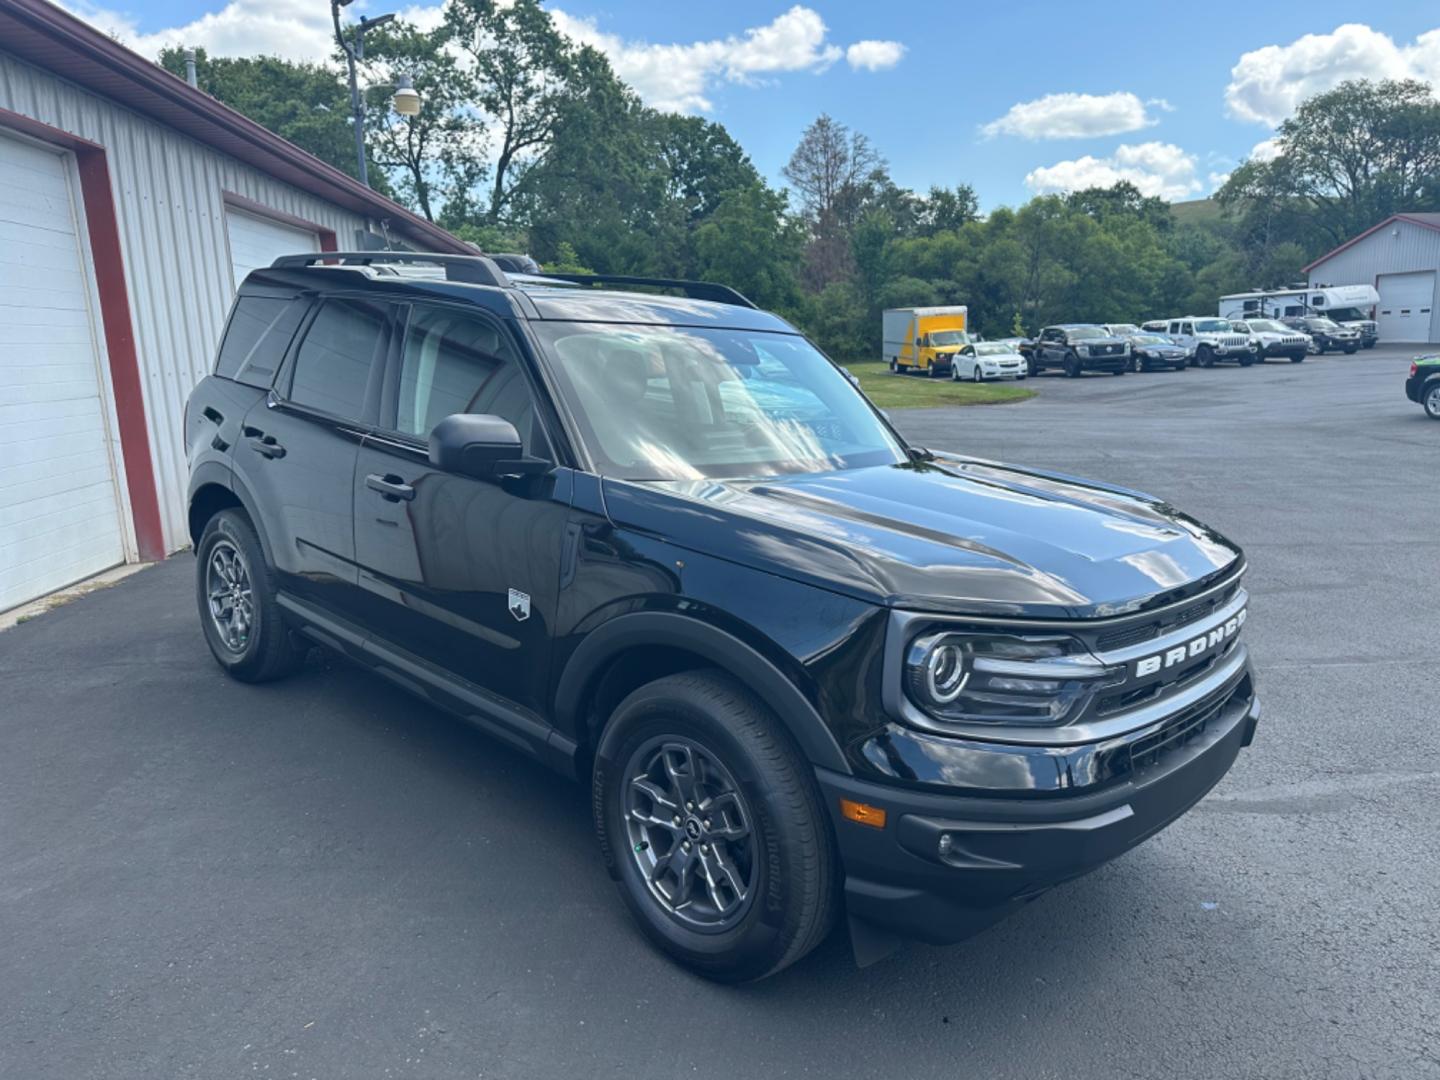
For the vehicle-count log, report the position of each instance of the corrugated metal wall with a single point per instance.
(1414, 248)
(169, 200)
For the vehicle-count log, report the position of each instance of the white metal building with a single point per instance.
(130, 206)
(1401, 257)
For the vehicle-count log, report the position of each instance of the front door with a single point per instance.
(462, 572)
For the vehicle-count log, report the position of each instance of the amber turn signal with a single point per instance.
(863, 813)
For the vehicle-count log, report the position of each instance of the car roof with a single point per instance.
(524, 296)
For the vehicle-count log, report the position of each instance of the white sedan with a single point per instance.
(988, 360)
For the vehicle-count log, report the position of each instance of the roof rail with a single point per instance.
(470, 269)
(695, 290)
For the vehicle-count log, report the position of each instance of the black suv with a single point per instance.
(1326, 333)
(1077, 348)
(663, 545)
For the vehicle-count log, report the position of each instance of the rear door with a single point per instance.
(462, 572)
(298, 447)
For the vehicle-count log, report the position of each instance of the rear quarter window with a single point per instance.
(256, 338)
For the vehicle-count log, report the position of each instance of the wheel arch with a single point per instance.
(632, 649)
(213, 488)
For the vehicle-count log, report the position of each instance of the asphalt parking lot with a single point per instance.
(322, 878)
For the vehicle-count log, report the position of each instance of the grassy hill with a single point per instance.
(1196, 212)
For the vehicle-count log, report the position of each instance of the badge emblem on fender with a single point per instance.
(519, 605)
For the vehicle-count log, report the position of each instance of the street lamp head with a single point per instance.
(407, 98)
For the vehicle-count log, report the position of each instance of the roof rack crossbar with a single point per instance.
(470, 269)
(695, 290)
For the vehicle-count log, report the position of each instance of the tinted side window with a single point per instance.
(345, 342)
(454, 362)
(255, 341)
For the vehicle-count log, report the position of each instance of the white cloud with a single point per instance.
(874, 55)
(1267, 84)
(240, 28)
(680, 77)
(1155, 168)
(1265, 150)
(669, 76)
(1071, 116)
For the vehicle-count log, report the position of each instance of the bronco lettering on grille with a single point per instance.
(1192, 649)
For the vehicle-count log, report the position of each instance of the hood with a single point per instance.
(949, 535)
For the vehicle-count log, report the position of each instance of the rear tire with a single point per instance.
(697, 742)
(1431, 401)
(239, 613)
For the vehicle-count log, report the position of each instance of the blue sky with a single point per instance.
(1012, 97)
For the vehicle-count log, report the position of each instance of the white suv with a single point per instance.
(1271, 338)
(1209, 340)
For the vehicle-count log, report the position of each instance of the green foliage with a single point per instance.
(527, 141)
(307, 104)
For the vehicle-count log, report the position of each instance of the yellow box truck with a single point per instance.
(924, 339)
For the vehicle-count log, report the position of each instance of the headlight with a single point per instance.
(1082, 350)
(1031, 680)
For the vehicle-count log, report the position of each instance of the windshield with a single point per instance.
(1124, 328)
(665, 402)
(1323, 324)
(949, 337)
(1211, 326)
(1149, 339)
(994, 348)
(1269, 325)
(1085, 333)
(1348, 314)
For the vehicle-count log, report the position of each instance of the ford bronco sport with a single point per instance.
(810, 671)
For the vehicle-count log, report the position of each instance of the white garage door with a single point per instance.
(257, 241)
(1405, 303)
(59, 510)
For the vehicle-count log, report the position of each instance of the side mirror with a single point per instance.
(481, 446)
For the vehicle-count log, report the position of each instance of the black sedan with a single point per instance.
(1151, 351)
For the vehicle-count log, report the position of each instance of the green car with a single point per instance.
(1424, 384)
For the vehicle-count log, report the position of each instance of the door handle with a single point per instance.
(262, 444)
(391, 487)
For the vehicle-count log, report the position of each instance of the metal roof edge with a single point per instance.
(73, 49)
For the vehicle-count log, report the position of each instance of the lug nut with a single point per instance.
(676, 819)
(706, 823)
(689, 806)
(686, 845)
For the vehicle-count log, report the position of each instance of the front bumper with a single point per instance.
(1068, 810)
(1013, 370)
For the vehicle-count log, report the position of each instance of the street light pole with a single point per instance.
(356, 51)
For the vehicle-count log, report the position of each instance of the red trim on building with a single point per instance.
(1407, 218)
(259, 209)
(104, 234)
(47, 37)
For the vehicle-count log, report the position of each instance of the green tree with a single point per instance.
(437, 156)
(308, 104)
(523, 69)
(1348, 158)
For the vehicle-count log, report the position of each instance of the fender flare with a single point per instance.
(219, 474)
(758, 674)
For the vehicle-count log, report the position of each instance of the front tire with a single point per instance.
(1205, 357)
(976, 375)
(712, 827)
(239, 612)
(1072, 366)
